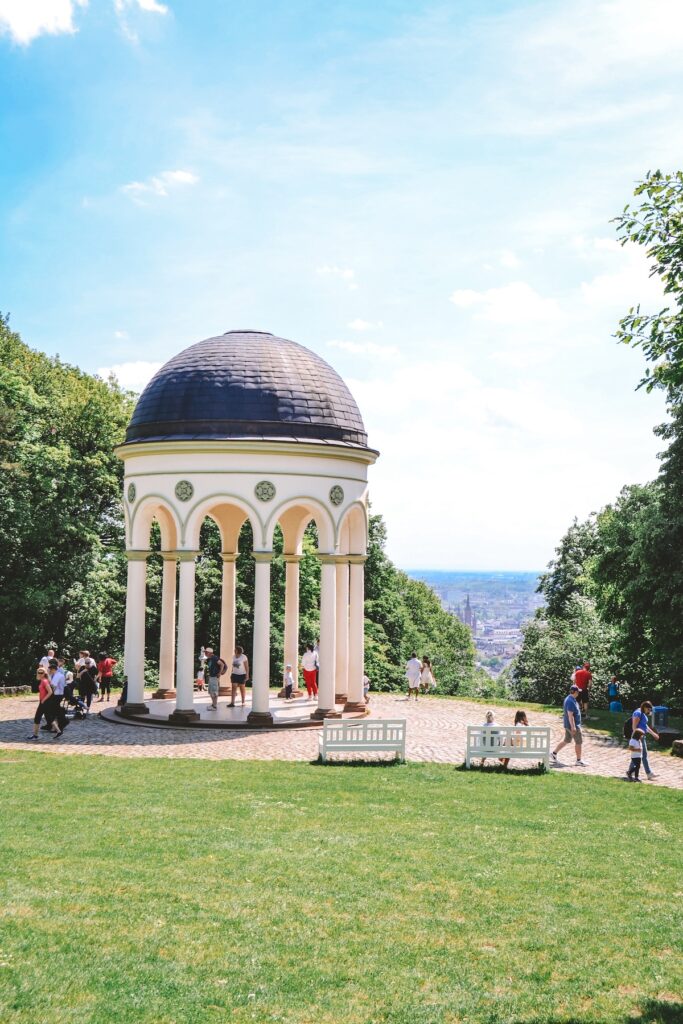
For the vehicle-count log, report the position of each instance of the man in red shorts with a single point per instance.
(583, 678)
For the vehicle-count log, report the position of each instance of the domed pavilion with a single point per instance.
(246, 426)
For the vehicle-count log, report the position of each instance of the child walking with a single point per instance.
(289, 682)
(635, 749)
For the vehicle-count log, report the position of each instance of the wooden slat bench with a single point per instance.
(374, 734)
(530, 742)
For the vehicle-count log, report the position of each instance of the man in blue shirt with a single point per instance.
(571, 717)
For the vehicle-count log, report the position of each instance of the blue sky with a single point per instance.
(419, 192)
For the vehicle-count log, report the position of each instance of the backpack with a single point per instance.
(628, 728)
(224, 667)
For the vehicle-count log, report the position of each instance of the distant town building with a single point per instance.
(468, 615)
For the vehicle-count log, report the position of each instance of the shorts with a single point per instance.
(577, 737)
(213, 686)
(238, 679)
(583, 696)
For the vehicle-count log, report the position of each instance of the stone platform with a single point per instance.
(292, 714)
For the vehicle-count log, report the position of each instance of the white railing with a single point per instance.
(530, 742)
(377, 734)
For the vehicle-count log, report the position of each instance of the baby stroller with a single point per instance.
(73, 706)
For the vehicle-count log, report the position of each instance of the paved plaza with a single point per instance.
(436, 733)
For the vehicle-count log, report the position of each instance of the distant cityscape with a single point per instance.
(495, 606)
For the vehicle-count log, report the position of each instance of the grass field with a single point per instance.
(158, 891)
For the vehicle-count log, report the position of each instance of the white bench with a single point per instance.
(530, 742)
(375, 734)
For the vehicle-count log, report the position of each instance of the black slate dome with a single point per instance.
(247, 384)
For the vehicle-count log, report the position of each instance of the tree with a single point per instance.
(62, 568)
(566, 575)
(658, 224)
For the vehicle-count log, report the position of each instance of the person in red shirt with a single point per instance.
(583, 677)
(105, 669)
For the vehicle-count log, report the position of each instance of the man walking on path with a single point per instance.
(413, 673)
(571, 716)
(639, 721)
(583, 677)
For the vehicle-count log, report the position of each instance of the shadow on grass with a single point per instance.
(655, 1011)
(357, 762)
(499, 769)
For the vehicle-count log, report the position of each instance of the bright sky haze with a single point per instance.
(421, 193)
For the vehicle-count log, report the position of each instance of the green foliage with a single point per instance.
(62, 570)
(552, 648)
(566, 575)
(658, 224)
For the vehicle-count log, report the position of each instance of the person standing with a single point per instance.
(239, 674)
(635, 749)
(44, 662)
(54, 711)
(289, 682)
(214, 667)
(309, 667)
(571, 717)
(413, 673)
(427, 680)
(583, 677)
(43, 710)
(366, 689)
(639, 720)
(105, 671)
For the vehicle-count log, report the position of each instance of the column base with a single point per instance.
(295, 693)
(183, 717)
(340, 698)
(356, 706)
(320, 713)
(225, 690)
(260, 719)
(133, 710)
(164, 695)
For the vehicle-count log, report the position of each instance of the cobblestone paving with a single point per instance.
(436, 733)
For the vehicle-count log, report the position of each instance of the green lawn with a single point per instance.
(172, 891)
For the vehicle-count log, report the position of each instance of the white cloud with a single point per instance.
(509, 259)
(24, 20)
(365, 325)
(513, 304)
(368, 348)
(144, 5)
(122, 335)
(158, 185)
(345, 274)
(133, 375)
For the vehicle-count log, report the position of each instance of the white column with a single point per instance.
(356, 632)
(166, 689)
(342, 632)
(134, 647)
(184, 710)
(227, 640)
(260, 667)
(328, 623)
(292, 615)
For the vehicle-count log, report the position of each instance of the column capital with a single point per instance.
(293, 559)
(341, 559)
(137, 556)
(187, 556)
(229, 556)
(326, 559)
(262, 556)
(357, 559)
(169, 556)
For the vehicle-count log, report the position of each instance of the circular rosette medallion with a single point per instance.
(264, 490)
(131, 493)
(336, 495)
(184, 490)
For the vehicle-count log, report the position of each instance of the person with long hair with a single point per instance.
(44, 709)
(427, 680)
(520, 719)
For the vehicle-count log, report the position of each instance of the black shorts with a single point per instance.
(583, 696)
(238, 680)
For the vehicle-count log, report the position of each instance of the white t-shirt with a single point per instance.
(309, 660)
(635, 748)
(289, 678)
(366, 684)
(44, 662)
(414, 669)
(239, 667)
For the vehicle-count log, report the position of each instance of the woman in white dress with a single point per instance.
(427, 680)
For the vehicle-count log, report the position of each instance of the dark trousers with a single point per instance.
(105, 685)
(634, 767)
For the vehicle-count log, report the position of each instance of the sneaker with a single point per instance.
(31, 737)
(651, 775)
(56, 735)
(553, 757)
(581, 764)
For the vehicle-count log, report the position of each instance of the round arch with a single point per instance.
(154, 506)
(303, 506)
